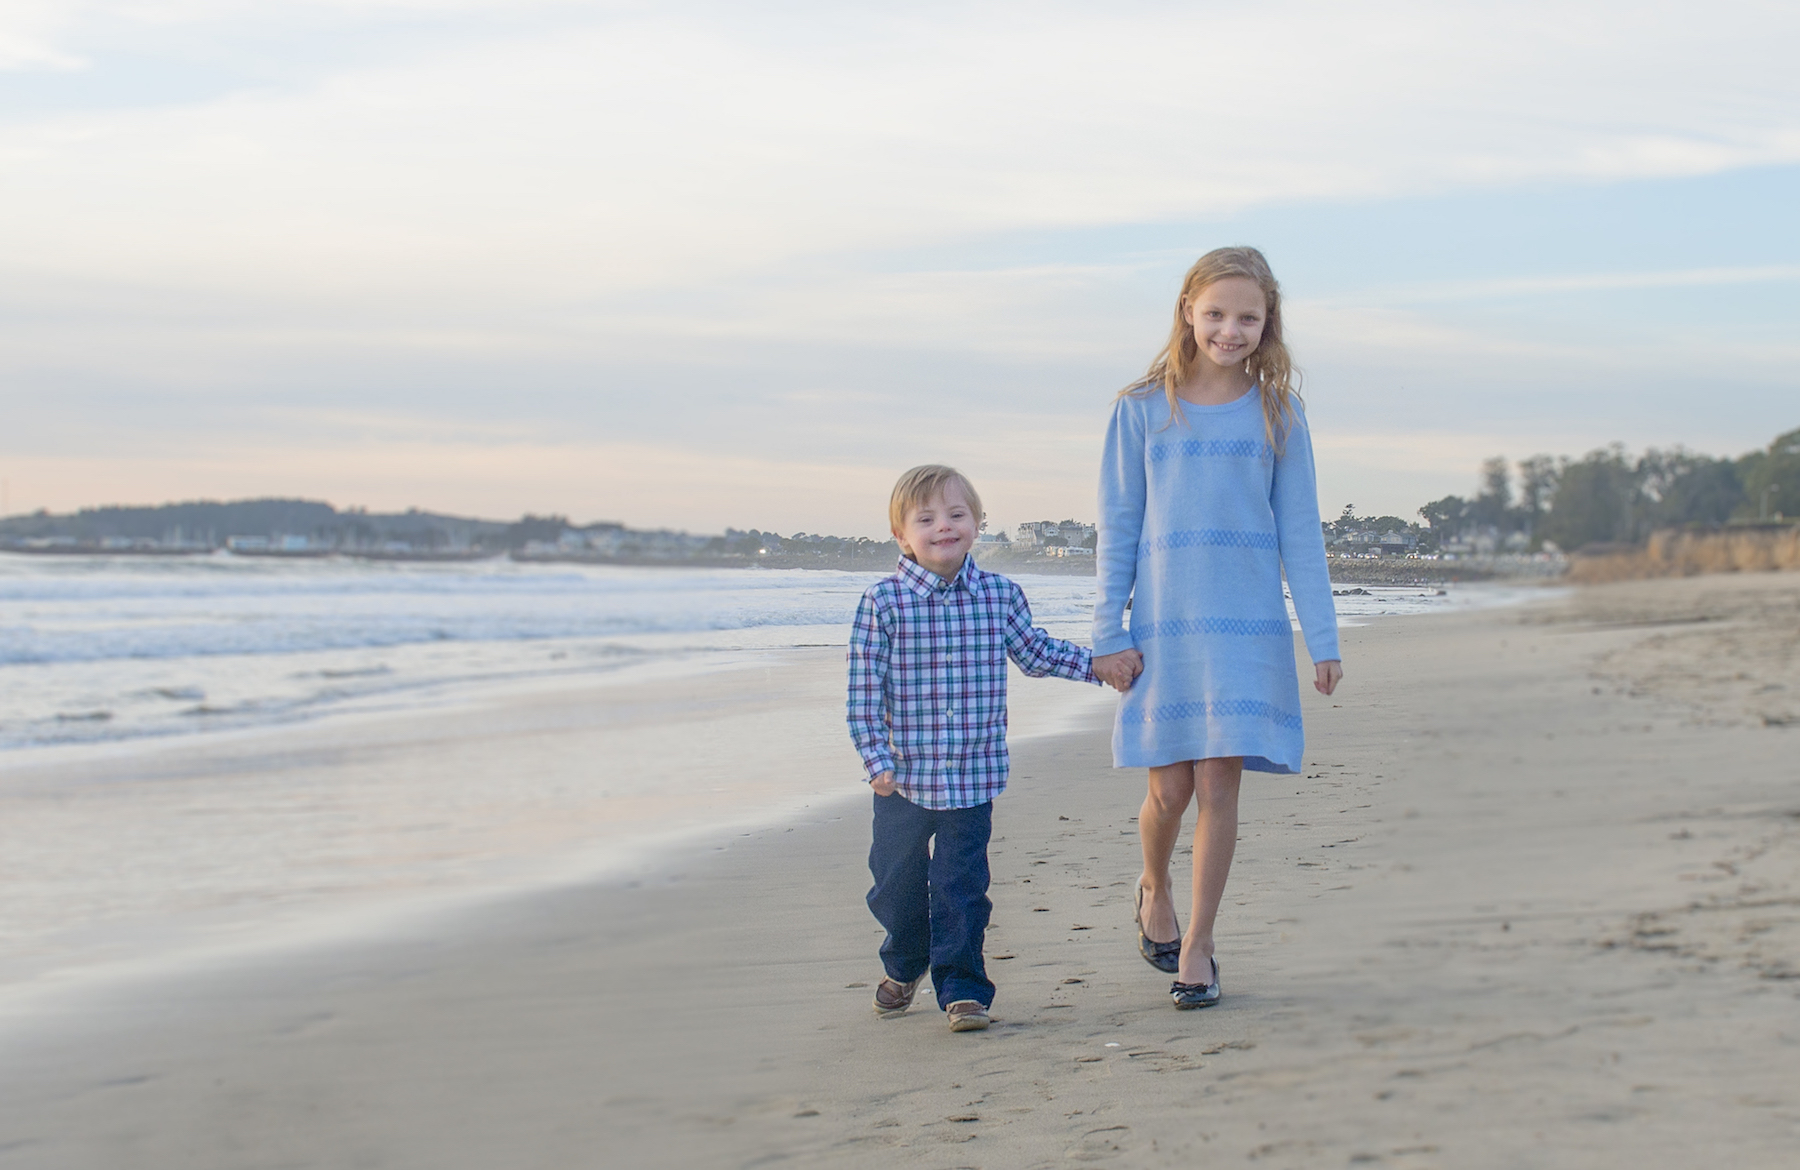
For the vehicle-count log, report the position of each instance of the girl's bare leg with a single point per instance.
(1216, 785)
(1159, 827)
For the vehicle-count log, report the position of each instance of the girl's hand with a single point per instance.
(1327, 675)
(1119, 669)
(883, 784)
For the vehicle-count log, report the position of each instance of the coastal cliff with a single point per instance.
(1681, 553)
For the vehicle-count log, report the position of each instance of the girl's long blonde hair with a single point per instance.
(1271, 364)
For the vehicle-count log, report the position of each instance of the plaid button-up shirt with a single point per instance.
(928, 680)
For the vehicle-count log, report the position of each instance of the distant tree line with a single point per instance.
(753, 543)
(208, 524)
(1608, 496)
(1348, 524)
(1604, 497)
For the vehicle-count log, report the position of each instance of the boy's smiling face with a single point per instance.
(939, 533)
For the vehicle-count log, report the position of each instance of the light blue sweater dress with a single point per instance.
(1197, 521)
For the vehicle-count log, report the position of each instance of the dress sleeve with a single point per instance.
(1122, 494)
(1037, 653)
(867, 705)
(1294, 496)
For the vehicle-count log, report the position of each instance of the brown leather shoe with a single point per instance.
(893, 997)
(967, 1015)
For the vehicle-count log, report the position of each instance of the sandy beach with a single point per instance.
(1535, 902)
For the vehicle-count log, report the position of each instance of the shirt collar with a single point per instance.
(928, 584)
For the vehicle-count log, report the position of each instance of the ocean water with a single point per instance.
(105, 649)
(219, 756)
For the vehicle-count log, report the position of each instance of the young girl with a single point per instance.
(1206, 496)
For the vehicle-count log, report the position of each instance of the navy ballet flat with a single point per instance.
(1188, 996)
(1164, 956)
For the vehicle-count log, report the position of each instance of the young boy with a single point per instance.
(927, 712)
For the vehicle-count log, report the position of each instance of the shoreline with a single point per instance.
(209, 648)
(72, 811)
(1398, 573)
(1532, 903)
(379, 815)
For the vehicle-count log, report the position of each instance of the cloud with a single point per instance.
(1590, 282)
(527, 229)
(28, 31)
(645, 149)
(18, 53)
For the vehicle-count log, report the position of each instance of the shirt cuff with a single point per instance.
(876, 762)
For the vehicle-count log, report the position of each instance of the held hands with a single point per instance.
(1115, 670)
(1327, 675)
(1119, 670)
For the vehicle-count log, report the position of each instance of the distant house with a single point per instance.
(1054, 533)
(1481, 542)
(1075, 532)
(992, 540)
(1368, 542)
(279, 543)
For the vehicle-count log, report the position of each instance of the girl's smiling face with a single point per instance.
(939, 533)
(1227, 317)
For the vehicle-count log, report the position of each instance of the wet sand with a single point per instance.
(1536, 901)
(174, 853)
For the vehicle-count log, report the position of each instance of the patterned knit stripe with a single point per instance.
(1210, 537)
(1212, 449)
(1194, 627)
(1212, 709)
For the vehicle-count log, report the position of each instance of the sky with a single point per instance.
(702, 265)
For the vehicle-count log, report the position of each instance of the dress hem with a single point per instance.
(1251, 763)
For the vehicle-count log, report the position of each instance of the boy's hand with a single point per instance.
(1118, 670)
(1327, 675)
(883, 784)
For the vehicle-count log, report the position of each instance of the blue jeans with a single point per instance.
(933, 902)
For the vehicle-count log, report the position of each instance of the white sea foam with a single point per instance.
(99, 649)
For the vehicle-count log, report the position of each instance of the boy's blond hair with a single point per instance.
(924, 483)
